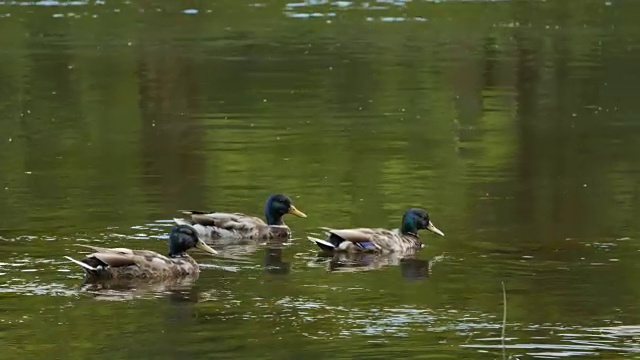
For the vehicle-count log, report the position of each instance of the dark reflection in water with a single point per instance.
(514, 123)
(415, 269)
(411, 268)
(273, 262)
(126, 289)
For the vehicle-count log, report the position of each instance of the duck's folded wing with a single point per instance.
(114, 259)
(364, 238)
(151, 260)
(99, 249)
(253, 220)
(204, 220)
(353, 235)
(221, 220)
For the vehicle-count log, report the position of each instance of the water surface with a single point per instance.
(514, 123)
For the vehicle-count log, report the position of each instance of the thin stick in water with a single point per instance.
(504, 317)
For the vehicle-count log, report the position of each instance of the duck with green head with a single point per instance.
(220, 225)
(123, 263)
(379, 240)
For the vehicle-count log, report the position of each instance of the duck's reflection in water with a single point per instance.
(242, 249)
(411, 267)
(128, 289)
(273, 263)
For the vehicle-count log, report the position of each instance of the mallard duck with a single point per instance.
(379, 240)
(123, 263)
(219, 225)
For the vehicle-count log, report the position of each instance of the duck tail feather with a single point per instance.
(322, 244)
(86, 267)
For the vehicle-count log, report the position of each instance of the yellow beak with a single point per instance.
(434, 229)
(296, 212)
(204, 247)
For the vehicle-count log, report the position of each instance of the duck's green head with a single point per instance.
(185, 237)
(277, 206)
(417, 219)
